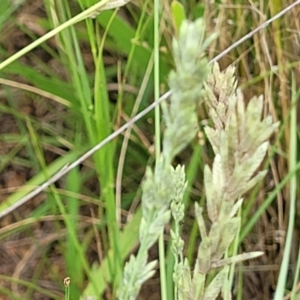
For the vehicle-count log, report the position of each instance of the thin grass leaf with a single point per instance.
(214, 288)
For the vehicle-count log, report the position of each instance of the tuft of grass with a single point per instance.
(68, 81)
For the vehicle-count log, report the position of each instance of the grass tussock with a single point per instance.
(220, 192)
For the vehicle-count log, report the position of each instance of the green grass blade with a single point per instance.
(282, 279)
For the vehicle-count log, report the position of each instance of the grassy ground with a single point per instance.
(73, 90)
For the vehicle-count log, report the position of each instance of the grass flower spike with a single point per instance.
(240, 141)
(166, 184)
(186, 83)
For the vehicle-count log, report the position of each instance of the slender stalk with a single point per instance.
(293, 186)
(161, 245)
(67, 288)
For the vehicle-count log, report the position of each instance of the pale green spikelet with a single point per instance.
(239, 139)
(186, 83)
(163, 188)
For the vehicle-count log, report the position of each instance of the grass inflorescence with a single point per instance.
(226, 217)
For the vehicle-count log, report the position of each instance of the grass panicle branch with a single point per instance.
(166, 183)
(239, 139)
(186, 82)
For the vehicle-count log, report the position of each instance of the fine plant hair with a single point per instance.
(239, 138)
